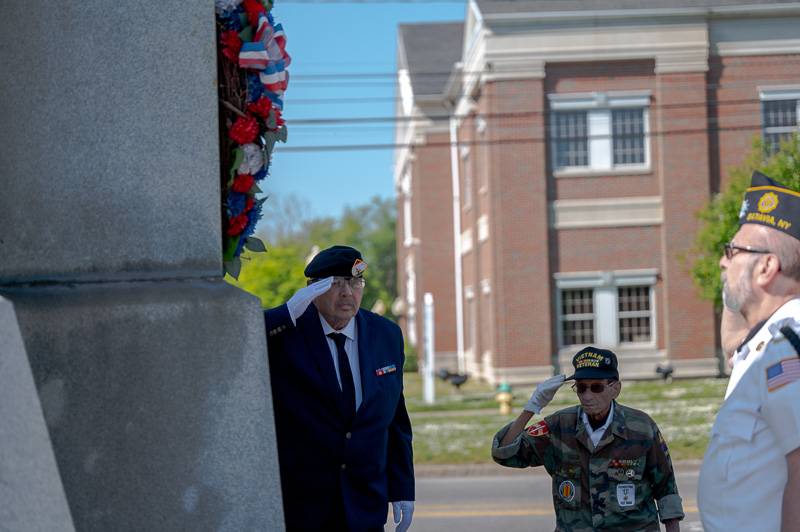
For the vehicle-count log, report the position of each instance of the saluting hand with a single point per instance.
(404, 509)
(301, 299)
(544, 393)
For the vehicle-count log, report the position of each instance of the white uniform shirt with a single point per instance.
(597, 435)
(351, 348)
(744, 469)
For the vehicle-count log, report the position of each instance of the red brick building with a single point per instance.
(586, 139)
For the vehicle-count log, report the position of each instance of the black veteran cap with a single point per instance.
(340, 261)
(594, 363)
(768, 203)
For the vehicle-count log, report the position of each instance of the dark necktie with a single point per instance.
(345, 373)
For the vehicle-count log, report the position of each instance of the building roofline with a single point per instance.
(722, 11)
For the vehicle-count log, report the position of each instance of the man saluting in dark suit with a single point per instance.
(344, 437)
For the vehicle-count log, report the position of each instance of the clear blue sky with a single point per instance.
(336, 39)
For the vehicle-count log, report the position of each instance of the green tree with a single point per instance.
(272, 276)
(720, 218)
(275, 275)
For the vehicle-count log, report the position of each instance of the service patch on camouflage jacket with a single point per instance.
(538, 429)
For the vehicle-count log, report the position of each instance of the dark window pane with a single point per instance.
(570, 137)
(779, 118)
(635, 317)
(628, 136)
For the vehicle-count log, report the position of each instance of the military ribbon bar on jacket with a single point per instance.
(386, 369)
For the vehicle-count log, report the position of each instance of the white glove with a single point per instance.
(406, 508)
(544, 393)
(301, 299)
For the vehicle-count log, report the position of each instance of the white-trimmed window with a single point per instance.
(780, 112)
(599, 131)
(612, 308)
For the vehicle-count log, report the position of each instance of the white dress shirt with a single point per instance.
(351, 348)
(744, 470)
(597, 435)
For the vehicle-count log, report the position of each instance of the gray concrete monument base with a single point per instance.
(157, 399)
(31, 496)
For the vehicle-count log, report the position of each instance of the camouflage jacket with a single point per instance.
(624, 484)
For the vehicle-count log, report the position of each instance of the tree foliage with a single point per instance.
(720, 217)
(274, 276)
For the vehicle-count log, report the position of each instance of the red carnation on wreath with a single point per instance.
(231, 45)
(249, 203)
(243, 183)
(253, 9)
(261, 107)
(244, 130)
(236, 225)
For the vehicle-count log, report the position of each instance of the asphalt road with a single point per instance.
(515, 501)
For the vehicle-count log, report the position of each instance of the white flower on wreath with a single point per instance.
(253, 159)
(223, 6)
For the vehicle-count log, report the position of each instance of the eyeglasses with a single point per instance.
(733, 249)
(595, 387)
(355, 283)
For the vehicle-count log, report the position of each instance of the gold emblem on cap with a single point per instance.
(768, 202)
(359, 267)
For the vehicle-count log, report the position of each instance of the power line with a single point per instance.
(617, 67)
(491, 116)
(513, 141)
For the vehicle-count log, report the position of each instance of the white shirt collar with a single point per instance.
(348, 330)
(597, 435)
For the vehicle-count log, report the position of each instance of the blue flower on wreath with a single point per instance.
(261, 174)
(235, 203)
(252, 220)
(254, 87)
(231, 19)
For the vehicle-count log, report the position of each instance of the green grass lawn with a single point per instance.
(458, 429)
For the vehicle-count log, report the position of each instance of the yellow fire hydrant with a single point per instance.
(504, 398)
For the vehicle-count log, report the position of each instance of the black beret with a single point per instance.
(339, 261)
(595, 363)
(769, 203)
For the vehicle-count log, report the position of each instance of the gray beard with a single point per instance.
(733, 301)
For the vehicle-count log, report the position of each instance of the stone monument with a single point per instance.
(151, 371)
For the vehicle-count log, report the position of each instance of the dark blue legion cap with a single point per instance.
(769, 203)
(339, 261)
(595, 363)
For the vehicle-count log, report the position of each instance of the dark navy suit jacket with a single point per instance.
(368, 461)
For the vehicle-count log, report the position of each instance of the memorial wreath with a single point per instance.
(252, 63)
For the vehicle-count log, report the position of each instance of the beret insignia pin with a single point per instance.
(359, 267)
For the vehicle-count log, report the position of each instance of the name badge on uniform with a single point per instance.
(384, 370)
(626, 495)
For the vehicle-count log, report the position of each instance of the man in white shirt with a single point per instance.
(751, 470)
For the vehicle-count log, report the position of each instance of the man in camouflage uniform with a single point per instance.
(610, 465)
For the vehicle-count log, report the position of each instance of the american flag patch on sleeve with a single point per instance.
(784, 372)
